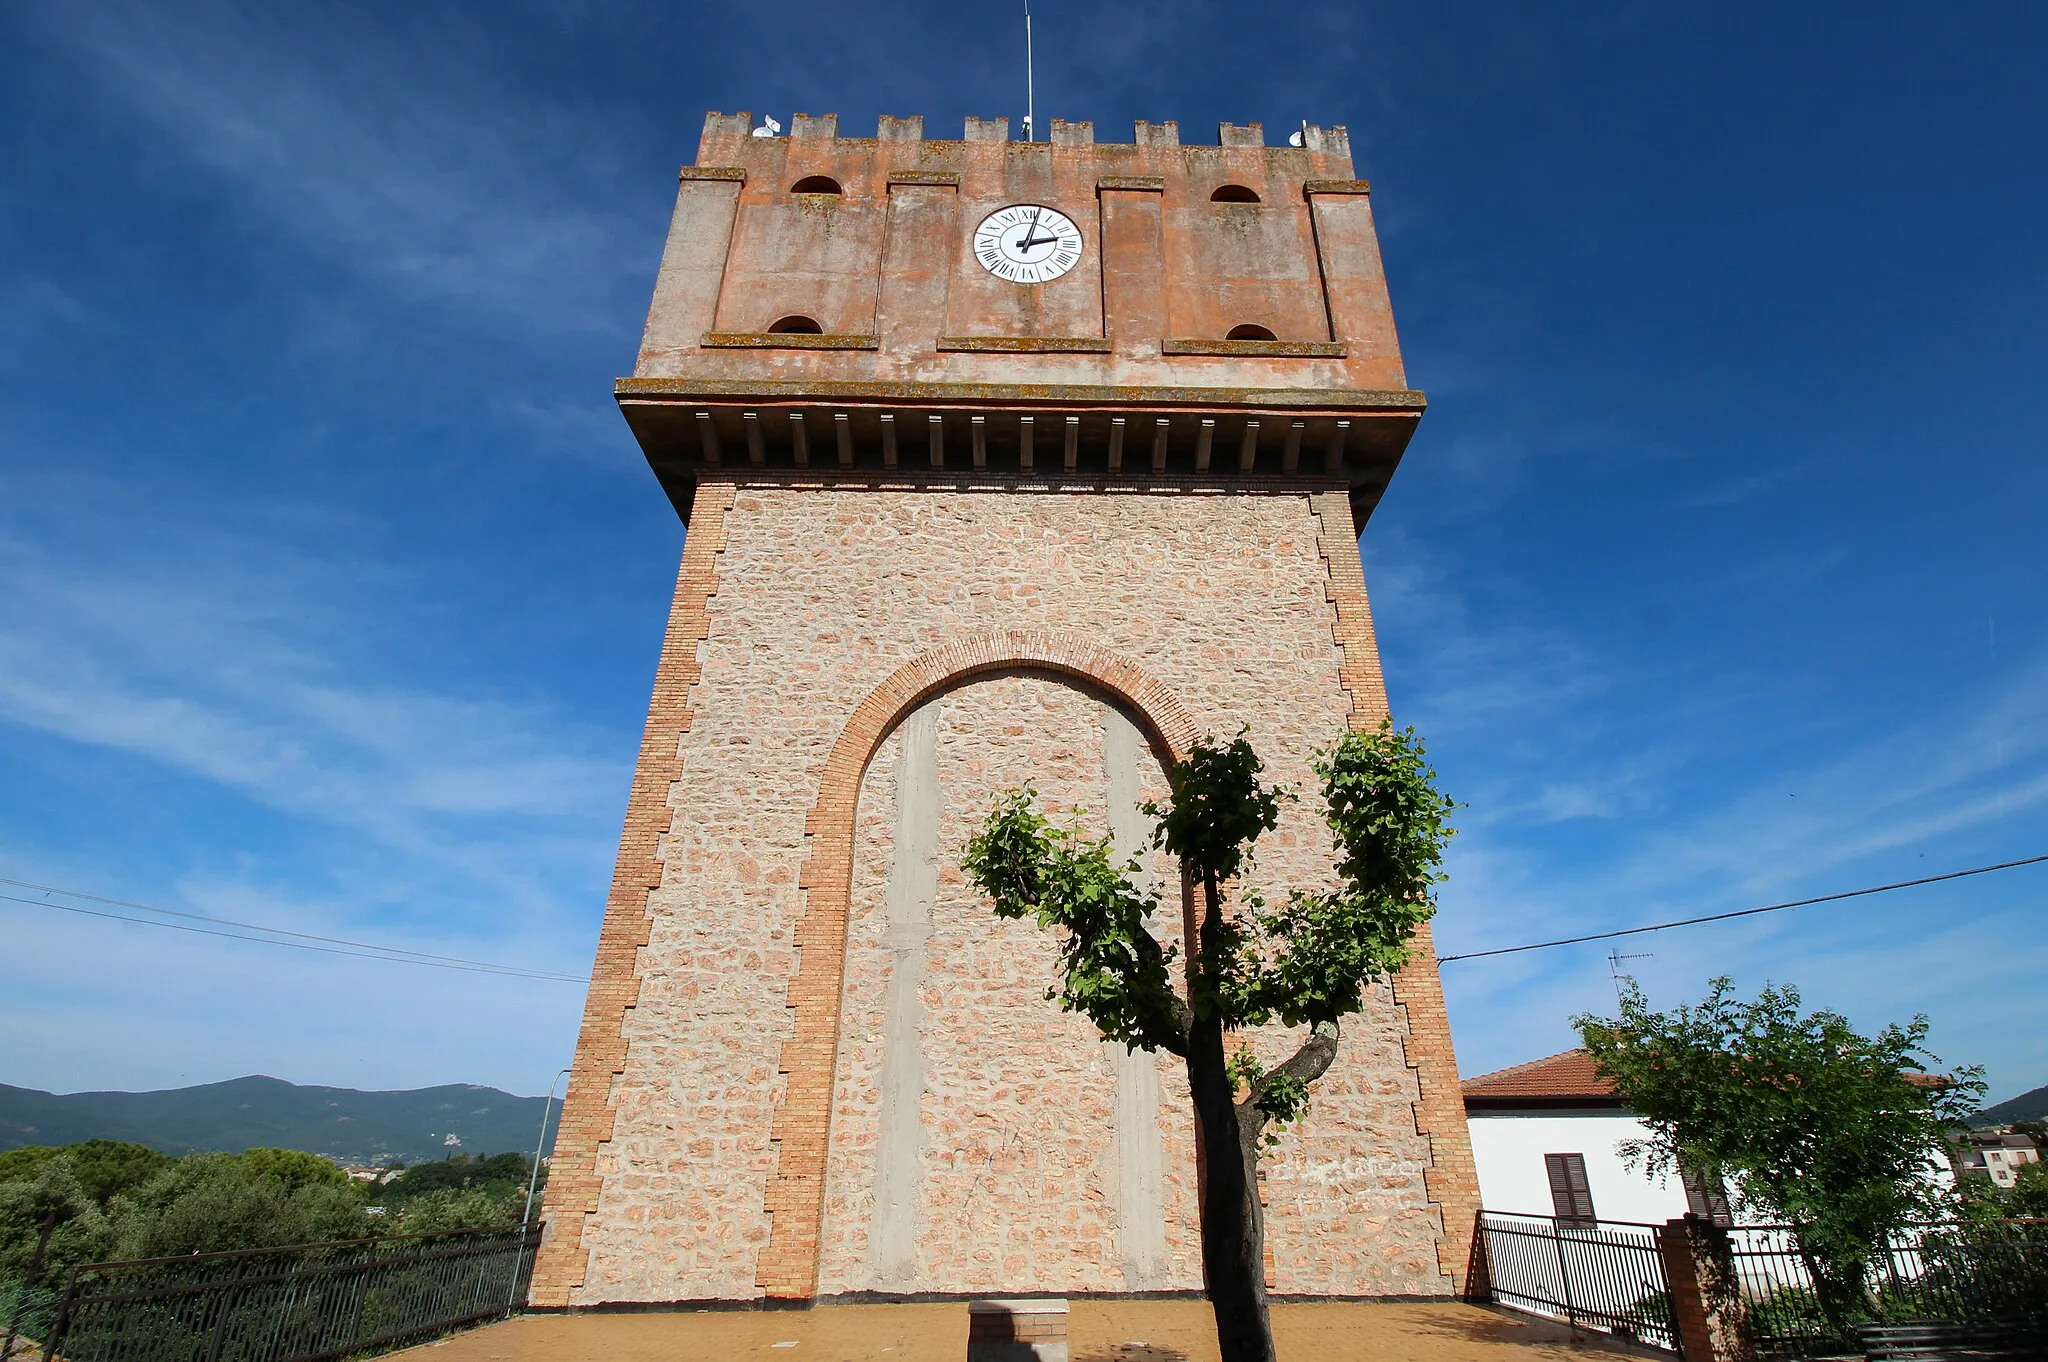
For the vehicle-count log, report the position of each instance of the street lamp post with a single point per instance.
(532, 1183)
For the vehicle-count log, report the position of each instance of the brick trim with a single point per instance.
(588, 1116)
(788, 1266)
(1452, 1179)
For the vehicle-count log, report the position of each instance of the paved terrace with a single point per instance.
(1100, 1331)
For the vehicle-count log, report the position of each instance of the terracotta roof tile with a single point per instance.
(1570, 1075)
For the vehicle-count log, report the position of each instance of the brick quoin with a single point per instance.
(587, 1114)
(1452, 1177)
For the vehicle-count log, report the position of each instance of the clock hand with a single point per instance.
(1030, 231)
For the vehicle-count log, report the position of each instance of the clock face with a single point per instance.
(1027, 244)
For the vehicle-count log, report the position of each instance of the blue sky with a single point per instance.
(331, 582)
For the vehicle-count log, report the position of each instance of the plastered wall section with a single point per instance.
(820, 594)
(890, 260)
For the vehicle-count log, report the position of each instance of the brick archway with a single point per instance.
(788, 1266)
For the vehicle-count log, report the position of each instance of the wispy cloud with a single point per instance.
(1967, 779)
(245, 662)
(367, 148)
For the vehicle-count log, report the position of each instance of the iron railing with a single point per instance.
(1604, 1275)
(1987, 1270)
(311, 1303)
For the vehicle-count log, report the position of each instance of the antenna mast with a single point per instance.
(1030, 89)
(1614, 959)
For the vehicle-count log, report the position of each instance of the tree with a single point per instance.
(1304, 962)
(460, 1208)
(496, 1174)
(211, 1203)
(1838, 1135)
(294, 1168)
(2028, 1198)
(104, 1168)
(47, 1221)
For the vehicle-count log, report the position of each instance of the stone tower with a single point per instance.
(977, 497)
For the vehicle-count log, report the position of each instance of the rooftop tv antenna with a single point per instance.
(1030, 89)
(1299, 137)
(1614, 959)
(769, 127)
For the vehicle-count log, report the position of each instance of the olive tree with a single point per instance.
(1303, 960)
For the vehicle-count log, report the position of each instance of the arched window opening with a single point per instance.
(1250, 332)
(796, 326)
(1235, 193)
(816, 184)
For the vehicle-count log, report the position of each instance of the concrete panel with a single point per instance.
(692, 269)
(811, 255)
(916, 266)
(1140, 1154)
(1245, 264)
(1356, 284)
(912, 890)
(1134, 278)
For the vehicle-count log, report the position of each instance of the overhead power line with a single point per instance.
(270, 936)
(1742, 912)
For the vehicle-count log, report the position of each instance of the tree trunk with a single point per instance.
(1233, 1226)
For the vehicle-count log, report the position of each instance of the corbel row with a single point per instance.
(1104, 442)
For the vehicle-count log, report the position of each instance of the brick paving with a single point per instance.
(1100, 1331)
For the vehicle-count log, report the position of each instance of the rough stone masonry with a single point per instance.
(947, 535)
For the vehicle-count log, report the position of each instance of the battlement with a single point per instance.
(1334, 141)
(820, 296)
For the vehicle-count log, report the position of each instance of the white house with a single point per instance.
(1547, 1138)
(1998, 1154)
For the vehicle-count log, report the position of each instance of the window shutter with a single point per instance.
(1571, 1196)
(1704, 1196)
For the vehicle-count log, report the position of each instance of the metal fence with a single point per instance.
(312, 1303)
(1990, 1270)
(1606, 1275)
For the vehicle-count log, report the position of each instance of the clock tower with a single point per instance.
(1001, 462)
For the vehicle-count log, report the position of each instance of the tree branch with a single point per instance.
(1309, 1063)
(1180, 1018)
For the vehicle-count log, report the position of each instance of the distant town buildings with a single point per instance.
(1997, 1153)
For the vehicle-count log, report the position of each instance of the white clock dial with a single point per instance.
(1027, 244)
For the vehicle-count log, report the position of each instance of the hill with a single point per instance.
(2028, 1106)
(340, 1123)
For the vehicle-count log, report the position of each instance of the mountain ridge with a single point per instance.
(349, 1125)
(2028, 1106)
